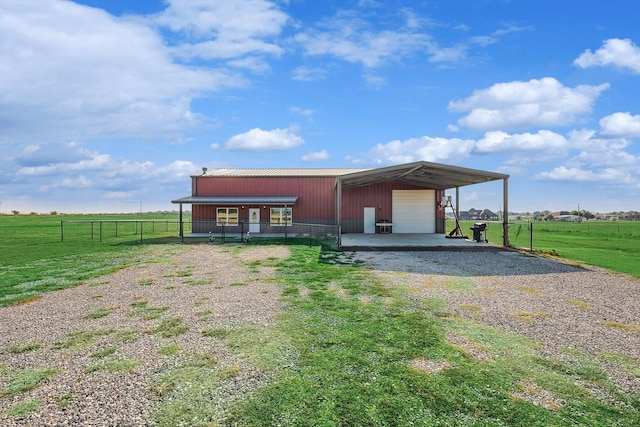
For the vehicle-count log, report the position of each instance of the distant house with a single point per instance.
(476, 215)
(565, 216)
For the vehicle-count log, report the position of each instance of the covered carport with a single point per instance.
(429, 176)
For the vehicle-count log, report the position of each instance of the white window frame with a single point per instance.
(276, 216)
(225, 216)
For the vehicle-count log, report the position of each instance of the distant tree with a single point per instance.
(15, 212)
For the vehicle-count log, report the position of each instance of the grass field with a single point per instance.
(612, 245)
(365, 355)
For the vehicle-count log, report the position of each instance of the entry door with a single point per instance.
(254, 220)
(369, 220)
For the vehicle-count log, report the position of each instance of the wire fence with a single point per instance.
(116, 231)
(539, 234)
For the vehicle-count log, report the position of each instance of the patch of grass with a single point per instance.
(527, 316)
(115, 365)
(169, 349)
(218, 333)
(170, 327)
(464, 284)
(582, 305)
(238, 284)
(98, 313)
(145, 281)
(26, 379)
(24, 408)
(66, 399)
(197, 282)
(529, 290)
(127, 335)
(25, 348)
(99, 354)
(626, 363)
(204, 315)
(141, 308)
(629, 327)
(81, 339)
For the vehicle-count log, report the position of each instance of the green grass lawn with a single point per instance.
(612, 245)
(349, 350)
(34, 259)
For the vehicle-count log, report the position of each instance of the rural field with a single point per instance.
(110, 327)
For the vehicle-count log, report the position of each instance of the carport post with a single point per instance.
(505, 212)
(181, 226)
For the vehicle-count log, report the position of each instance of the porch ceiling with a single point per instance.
(423, 174)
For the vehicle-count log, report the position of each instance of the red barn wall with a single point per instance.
(316, 195)
(316, 198)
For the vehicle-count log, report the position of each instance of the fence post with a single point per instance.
(100, 231)
(62, 231)
(531, 236)
(141, 227)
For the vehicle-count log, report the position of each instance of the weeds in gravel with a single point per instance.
(66, 399)
(26, 379)
(115, 365)
(170, 327)
(24, 408)
(145, 281)
(98, 313)
(99, 354)
(169, 349)
(25, 348)
(81, 339)
(142, 309)
(630, 327)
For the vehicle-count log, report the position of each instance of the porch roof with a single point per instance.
(424, 174)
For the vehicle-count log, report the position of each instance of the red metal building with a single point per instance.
(408, 197)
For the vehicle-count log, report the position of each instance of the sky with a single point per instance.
(111, 105)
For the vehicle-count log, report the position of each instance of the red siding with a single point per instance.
(316, 195)
(354, 200)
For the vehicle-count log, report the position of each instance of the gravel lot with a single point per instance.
(558, 304)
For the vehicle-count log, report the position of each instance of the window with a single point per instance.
(280, 216)
(227, 216)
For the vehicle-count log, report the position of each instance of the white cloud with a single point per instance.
(563, 173)
(265, 140)
(521, 105)
(543, 140)
(307, 112)
(226, 20)
(423, 148)
(85, 73)
(78, 182)
(621, 53)
(620, 125)
(316, 156)
(308, 74)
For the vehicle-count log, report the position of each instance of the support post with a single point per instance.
(181, 226)
(505, 212)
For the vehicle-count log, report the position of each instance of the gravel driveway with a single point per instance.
(558, 304)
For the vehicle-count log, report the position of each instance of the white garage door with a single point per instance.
(414, 211)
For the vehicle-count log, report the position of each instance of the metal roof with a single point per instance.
(238, 200)
(425, 174)
(279, 172)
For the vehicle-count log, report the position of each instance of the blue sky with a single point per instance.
(110, 105)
